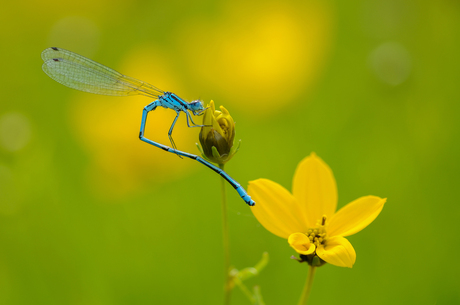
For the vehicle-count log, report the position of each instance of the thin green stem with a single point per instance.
(244, 289)
(307, 288)
(226, 243)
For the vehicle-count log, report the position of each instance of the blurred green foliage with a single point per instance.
(90, 215)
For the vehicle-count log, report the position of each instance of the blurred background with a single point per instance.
(91, 215)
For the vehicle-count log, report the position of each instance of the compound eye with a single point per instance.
(197, 105)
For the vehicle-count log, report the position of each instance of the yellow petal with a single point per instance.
(338, 251)
(276, 209)
(212, 105)
(208, 116)
(355, 216)
(301, 243)
(315, 188)
(216, 126)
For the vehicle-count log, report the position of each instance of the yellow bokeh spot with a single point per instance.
(108, 128)
(261, 57)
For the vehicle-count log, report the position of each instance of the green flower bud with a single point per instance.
(217, 135)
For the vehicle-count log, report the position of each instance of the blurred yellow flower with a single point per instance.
(217, 135)
(108, 128)
(307, 218)
(261, 57)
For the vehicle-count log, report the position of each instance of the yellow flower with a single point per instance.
(217, 135)
(307, 218)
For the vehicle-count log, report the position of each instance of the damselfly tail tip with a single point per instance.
(245, 197)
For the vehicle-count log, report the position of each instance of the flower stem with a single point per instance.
(226, 243)
(307, 288)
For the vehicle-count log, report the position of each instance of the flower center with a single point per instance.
(318, 235)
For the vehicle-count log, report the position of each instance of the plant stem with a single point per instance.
(226, 243)
(244, 289)
(307, 288)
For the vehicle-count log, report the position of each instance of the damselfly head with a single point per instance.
(196, 107)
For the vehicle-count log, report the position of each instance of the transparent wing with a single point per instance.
(81, 73)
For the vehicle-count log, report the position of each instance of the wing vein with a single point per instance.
(81, 73)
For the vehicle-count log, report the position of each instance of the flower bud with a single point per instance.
(217, 135)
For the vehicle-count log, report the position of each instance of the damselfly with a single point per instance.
(78, 72)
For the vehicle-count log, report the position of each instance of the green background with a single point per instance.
(370, 86)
